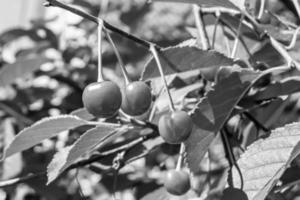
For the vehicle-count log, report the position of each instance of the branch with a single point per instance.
(94, 19)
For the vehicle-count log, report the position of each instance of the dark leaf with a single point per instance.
(213, 110)
(183, 58)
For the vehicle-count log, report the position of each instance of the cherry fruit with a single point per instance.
(102, 99)
(234, 194)
(177, 182)
(175, 128)
(137, 98)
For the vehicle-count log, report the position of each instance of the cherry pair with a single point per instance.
(105, 98)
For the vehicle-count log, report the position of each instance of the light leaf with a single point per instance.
(89, 141)
(41, 130)
(265, 161)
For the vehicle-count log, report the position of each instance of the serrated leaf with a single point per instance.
(22, 67)
(177, 95)
(232, 4)
(213, 110)
(265, 161)
(83, 114)
(183, 58)
(286, 86)
(89, 141)
(41, 130)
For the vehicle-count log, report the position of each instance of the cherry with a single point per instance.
(102, 99)
(137, 98)
(175, 128)
(177, 182)
(234, 194)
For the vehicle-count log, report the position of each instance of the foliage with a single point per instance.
(245, 84)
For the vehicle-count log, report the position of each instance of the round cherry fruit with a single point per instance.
(234, 193)
(137, 98)
(102, 99)
(175, 128)
(177, 182)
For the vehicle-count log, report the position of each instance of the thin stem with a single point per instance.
(226, 40)
(200, 27)
(290, 61)
(261, 9)
(108, 26)
(297, 6)
(100, 68)
(217, 14)
(180, 158)
(120, 60)
(237, 37)
(163, 78)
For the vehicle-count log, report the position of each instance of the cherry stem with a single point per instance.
(180, 158)
(100, 68)
(226, 39)
(283, 52)
(108, 26)
(297, 7)
(120, 60)
(200, 27)
(217, 14)
(237, 37)
(261, 9)
(163, 78)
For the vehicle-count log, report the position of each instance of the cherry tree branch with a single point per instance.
(106, 25)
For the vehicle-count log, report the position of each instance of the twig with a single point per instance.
(231, 158)
(237, 37)
(108, 26)
(23, 179)
(100, 67)
(290, 61)
(261, 9)
(217, 14)
(200, 27)
(155, 55)
(297, 6)
(120, 60)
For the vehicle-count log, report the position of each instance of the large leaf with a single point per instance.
(89, 141)
(213, 110)
(41, 130)
(232, 4)
(286, 86)
(266, 160)
(22, 67)
(183, 58)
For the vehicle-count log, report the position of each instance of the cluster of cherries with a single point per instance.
(104, 99)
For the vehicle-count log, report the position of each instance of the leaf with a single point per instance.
(232, 4)
(41, 130)
(213, 110)
(265, 161)
(158, 194)
(177, 95)
(286, 86)
(22, 67)
(83, 114)
(89, 141)
(183, 58)
(12, 34)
